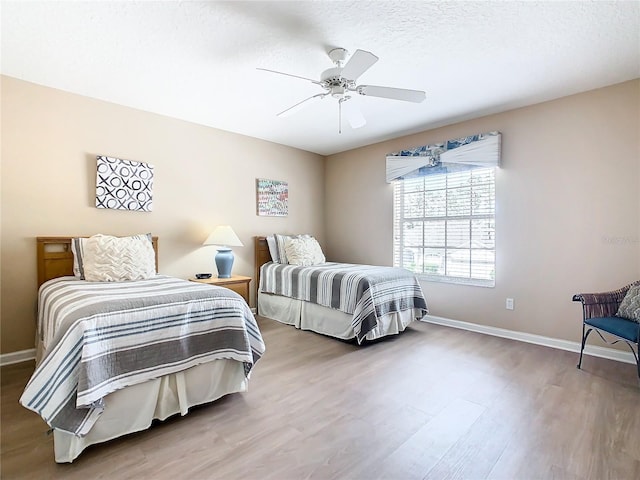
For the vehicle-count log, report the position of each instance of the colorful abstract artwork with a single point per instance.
(124, 184)
(272, 197)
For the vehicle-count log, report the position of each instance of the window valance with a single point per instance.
(481, 150)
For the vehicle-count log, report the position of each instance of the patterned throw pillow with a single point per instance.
(280, 242)
(304, 251)
(630, 306)
(77, 248)
(114, 259)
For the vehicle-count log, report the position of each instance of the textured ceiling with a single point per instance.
(197, 60)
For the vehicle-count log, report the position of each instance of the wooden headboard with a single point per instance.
(262, 256)
(55, 258)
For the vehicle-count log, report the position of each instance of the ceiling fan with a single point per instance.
(340, 83)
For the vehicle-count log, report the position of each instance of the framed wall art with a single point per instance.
(124, 184)
(272, 197)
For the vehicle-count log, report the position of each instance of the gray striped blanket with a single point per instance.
(367, 292)
(103, 336)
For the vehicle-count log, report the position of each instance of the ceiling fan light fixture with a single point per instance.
(338, 91)
(340, 80)
(352, 113)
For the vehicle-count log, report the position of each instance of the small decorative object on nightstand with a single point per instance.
(237, 283)
(224, 237)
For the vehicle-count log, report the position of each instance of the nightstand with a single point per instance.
(237, 283)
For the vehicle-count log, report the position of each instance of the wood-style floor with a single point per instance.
(432, 403)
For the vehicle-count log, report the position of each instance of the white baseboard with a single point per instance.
(594, 351)
(17, 357)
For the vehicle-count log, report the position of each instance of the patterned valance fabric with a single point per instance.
(481, 150)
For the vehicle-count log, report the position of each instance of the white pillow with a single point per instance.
(273, 248)
(304, 251)
(113, 259)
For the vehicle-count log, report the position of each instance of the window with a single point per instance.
(444, 226)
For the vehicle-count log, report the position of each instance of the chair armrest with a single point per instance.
(603, 304)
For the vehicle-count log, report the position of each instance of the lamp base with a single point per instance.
(224, 262)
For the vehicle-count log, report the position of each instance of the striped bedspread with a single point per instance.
(103, 336)
(367, 292)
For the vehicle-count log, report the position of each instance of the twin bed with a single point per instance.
(345, 301)
(113, 356)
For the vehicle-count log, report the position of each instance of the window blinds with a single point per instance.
(444, 209)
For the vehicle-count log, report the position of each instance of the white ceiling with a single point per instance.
(197, 60)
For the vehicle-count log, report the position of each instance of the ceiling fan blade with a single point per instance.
(299, 105)
(353, 115)
(290, 75)
(415, 96)
(359, 63)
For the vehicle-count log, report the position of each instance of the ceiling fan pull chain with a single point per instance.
(340, 114)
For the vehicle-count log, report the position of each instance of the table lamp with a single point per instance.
(224, 237)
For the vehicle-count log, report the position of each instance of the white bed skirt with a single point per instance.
(328, 321)
(133, 408)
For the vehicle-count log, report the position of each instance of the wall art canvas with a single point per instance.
(272, 197)
(124, 184)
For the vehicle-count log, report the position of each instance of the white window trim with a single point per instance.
(474, 282)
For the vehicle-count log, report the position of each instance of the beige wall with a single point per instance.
(568, 201)
(567, 219)
(203, 177)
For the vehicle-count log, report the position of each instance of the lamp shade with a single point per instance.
(225, 236)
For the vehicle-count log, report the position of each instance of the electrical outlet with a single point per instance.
(509, 304)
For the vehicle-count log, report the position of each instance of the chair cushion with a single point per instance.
(630, 305)
(620, 327)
